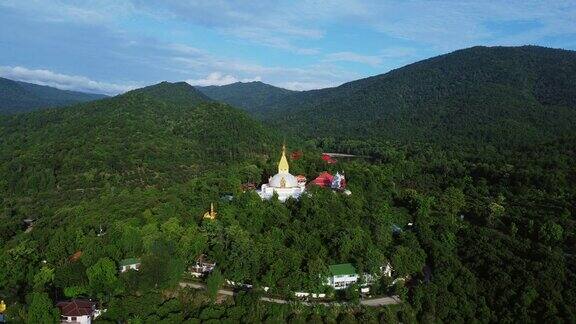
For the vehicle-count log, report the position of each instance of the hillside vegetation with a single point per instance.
(500, 96)
(16, 96)
(250, 96)
(466, 188)
(148, 137)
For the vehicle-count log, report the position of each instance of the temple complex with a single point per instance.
(284, 184)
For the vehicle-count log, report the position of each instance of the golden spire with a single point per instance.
(283, 164)
(2, 306)
(212, 213)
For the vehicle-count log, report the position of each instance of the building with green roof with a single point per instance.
(342, 275)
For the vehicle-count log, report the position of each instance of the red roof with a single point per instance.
(328, 159)
(296, 155)
(74, 257)
(77, 307)
(323, 180)
(248, 186)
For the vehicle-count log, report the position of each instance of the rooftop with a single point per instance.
(342, 269)
(76, 307)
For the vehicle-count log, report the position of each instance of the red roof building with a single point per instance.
(324, 180)
(77, 311)
(328, 159)
(301, 178)
(248, 186)
(76, 256)
(296, 155)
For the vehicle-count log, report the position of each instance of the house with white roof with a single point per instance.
(129, 264)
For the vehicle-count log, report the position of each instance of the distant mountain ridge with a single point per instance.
(485, 95)
(250, 96)
(18, 96)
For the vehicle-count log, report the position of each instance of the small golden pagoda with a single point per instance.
(283, 164)
(2, 307)
(211, 214)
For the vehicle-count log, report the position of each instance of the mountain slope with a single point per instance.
(16, 96)
(250, 96)
(499, 96)
(175, 93)
(147, 137)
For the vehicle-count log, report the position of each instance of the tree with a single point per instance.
(452, 201)
(495, 212)
(43, 277)
(75, 291)
(551, 233)
(406, 261)
(102, 278)
(213, 283)
(161, 268)
(353, 293)
(41, 309)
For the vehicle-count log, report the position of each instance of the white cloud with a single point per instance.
(372, 60)
(62, 81)
(443, 24)
(218, 78)
(301, 86)
(449, 25)
(85, 12)
(405, 30)
(231, 70)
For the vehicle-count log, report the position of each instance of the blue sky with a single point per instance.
(110, 46)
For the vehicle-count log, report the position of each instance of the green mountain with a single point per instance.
(152, 136)
(16, 96)
(174, 93)
(494, 95)
(251, 96)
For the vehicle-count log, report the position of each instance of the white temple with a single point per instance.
(283, 183)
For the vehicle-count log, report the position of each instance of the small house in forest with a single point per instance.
(78, 311)
(129, 264)
(202, 266)
(342, 276)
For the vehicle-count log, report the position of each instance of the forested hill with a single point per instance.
(250, 96)
(16, 96)
(148, 137)
(499, 95)
(178, 93)
(502, 96)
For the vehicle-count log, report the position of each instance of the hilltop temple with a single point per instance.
(282, 183)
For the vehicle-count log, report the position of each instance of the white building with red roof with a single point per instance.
(78, 311)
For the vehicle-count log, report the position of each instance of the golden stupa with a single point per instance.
(283, 164)
(2, 307)
(210, 214)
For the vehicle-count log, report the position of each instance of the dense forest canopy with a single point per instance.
(16, 96)
(154, 136)
(492, 235)
(249, 96)
(501, 96)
